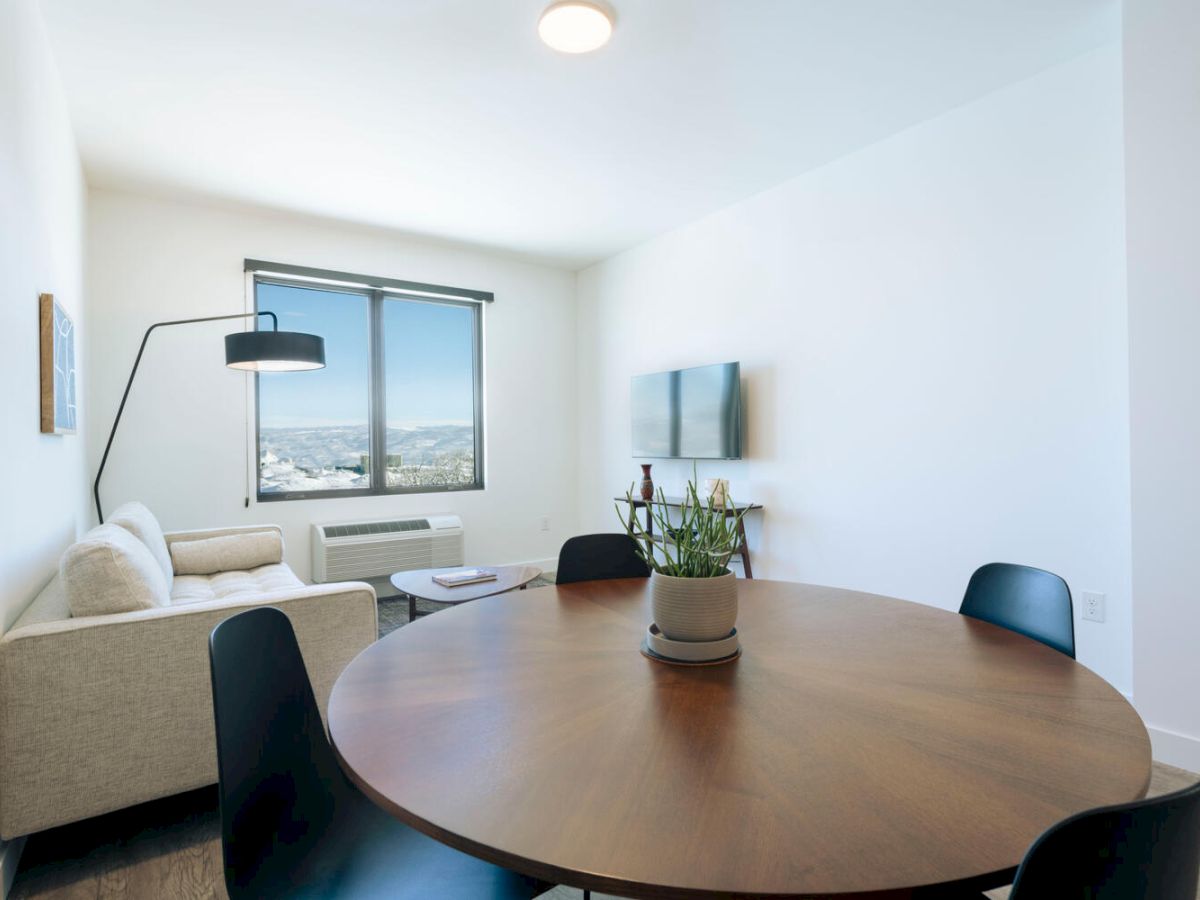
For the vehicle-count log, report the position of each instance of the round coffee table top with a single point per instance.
(860, 747)
(419, 583)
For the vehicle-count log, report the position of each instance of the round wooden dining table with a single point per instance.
(861, 747)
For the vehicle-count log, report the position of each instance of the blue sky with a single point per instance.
(427, 352)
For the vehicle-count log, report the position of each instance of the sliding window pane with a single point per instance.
(429, 366)
(313, 426)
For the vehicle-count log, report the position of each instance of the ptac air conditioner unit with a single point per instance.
(346, 551)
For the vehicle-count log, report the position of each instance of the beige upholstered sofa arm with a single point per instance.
(102, 712)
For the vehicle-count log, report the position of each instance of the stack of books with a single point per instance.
(465, 576)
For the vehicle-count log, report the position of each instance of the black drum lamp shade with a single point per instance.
(274, 351)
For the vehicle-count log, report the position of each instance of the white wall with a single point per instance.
(1162, 115)
(933, 340)
(182, 448)
(41, 251)
(42, 201)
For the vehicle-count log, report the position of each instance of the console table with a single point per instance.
(679, 503)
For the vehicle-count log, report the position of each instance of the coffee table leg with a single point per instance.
(412, 608)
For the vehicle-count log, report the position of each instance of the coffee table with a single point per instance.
(418, 584)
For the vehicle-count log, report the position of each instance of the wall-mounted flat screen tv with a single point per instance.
(688, 413)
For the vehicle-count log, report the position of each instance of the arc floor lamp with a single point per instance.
(251, 351)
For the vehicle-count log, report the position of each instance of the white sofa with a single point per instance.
(102, 711)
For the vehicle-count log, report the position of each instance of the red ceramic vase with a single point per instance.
(647, 483)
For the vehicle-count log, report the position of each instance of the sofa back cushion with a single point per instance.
(111, 571)
(140, 522)
(227, 553)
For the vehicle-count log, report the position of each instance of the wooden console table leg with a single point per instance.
(745, 551)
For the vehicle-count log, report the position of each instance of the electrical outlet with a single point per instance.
(1093, 606)
(545, 523)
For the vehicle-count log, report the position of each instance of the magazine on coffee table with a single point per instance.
(465, 576)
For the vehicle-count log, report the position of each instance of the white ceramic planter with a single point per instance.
(694, 609)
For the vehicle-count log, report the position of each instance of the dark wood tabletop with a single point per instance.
(861, 746)
(419, 583)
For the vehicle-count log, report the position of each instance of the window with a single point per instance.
(397, 408)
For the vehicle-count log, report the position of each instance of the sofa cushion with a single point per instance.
(111, 571)
(229, 553)
(139, 521)
(233, 585)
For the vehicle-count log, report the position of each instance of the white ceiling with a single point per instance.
(450, 118)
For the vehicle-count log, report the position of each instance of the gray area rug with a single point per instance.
(393, 608)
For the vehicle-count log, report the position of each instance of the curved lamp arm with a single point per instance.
(137, 361)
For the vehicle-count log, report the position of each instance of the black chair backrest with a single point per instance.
(1029, 601)
(593, 557)
(279, 781)
(1148, 850)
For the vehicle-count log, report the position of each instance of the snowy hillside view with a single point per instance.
(335, 457)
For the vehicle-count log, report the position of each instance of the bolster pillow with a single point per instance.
(228, 553)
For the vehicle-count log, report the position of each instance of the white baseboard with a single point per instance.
(1175, 749)
(10, 855)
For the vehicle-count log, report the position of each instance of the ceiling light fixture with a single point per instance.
(576, 26)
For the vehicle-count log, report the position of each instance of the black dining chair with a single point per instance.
(1147, 850)
(1029, 601)
(595, 557)
(292, 825)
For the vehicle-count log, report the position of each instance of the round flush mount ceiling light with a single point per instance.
(576, 26)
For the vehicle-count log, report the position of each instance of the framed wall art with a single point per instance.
(57, 335)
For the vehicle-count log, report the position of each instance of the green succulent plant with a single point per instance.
(702, 541)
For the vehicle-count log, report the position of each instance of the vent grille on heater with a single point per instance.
(361, 528)
(348, 551)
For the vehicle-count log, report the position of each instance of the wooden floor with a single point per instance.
(171, 850)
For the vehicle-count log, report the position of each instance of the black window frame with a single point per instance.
(377, 291)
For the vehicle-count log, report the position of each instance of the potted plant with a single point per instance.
(693, 594)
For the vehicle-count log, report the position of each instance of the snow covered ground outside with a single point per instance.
(335, 457)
